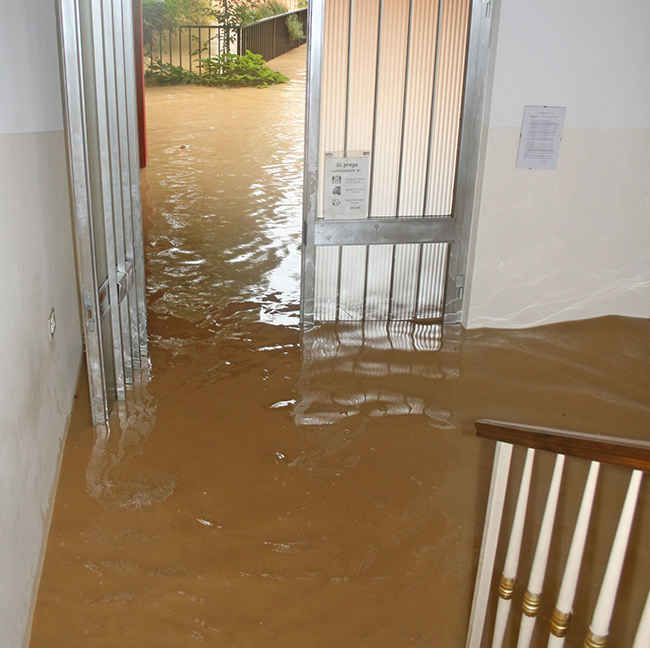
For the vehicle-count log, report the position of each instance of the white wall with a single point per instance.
(37, 376)
(29, 73)
(573, 242)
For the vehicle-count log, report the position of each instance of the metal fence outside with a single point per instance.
(185, 46)
(270, 37)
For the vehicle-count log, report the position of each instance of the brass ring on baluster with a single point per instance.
(560, 622)
(531, 604)
(507, 587)
(595, 641)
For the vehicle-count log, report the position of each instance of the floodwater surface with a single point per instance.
(263, 489)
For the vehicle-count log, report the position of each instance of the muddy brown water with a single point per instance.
(247, 495)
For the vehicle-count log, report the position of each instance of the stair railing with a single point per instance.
(626, 453)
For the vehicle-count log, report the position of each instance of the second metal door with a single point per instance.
(395, 90)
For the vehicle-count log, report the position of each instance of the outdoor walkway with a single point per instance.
(206, 515)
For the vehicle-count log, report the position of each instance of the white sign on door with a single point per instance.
(346, 186)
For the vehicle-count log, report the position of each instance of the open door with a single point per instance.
(394, 104)
(97, 60)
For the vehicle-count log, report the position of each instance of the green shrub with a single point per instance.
(225, 70)
(167, 14)
(160, 73)
(237, 13)
(262, 10)
(275, 7)
(233, 70)
(294, 27)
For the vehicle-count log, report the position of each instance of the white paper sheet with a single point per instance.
(541, 133)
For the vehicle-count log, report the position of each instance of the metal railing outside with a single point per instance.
(186, 45)
(270, 37)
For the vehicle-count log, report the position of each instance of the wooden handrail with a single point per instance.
(627, 453)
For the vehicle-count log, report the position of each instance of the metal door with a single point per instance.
(394, 100)
(97, 61)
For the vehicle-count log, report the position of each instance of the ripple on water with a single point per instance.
(237, 216)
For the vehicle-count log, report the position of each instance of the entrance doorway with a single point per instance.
(394, 100)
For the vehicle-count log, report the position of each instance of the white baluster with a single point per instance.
(496, 500)
(564, 606)
(599, 629)
(533, 595)
(509, 575)
(642, 639)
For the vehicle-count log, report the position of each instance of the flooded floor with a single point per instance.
(250, 496)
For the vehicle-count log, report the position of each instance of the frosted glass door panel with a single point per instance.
(391, 88)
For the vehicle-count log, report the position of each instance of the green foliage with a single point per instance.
(233, 13)
(160, 15)
(225, 70)
(160, 73)
(234, 70)
(168, 14)
(294, 27)
(271, 8)
(237, 13)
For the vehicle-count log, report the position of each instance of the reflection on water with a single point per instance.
(263, 490)
(379, 369)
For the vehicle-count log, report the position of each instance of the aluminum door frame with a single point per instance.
(75, 126)
(123, 293)
(455, 230)
(139, 284)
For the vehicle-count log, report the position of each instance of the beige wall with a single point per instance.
(574, 242)
(37, 376)
(548, 245)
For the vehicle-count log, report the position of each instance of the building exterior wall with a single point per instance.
(38, 376)
(574, 242)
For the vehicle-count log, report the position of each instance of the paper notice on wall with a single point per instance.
(346, 186)
(541, 133)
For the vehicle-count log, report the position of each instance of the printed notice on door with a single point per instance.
(541, 133)
(346, 186)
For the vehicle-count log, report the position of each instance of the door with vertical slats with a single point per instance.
(100, 101)
(389, 82)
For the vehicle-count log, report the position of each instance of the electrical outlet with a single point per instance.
(52, 324)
